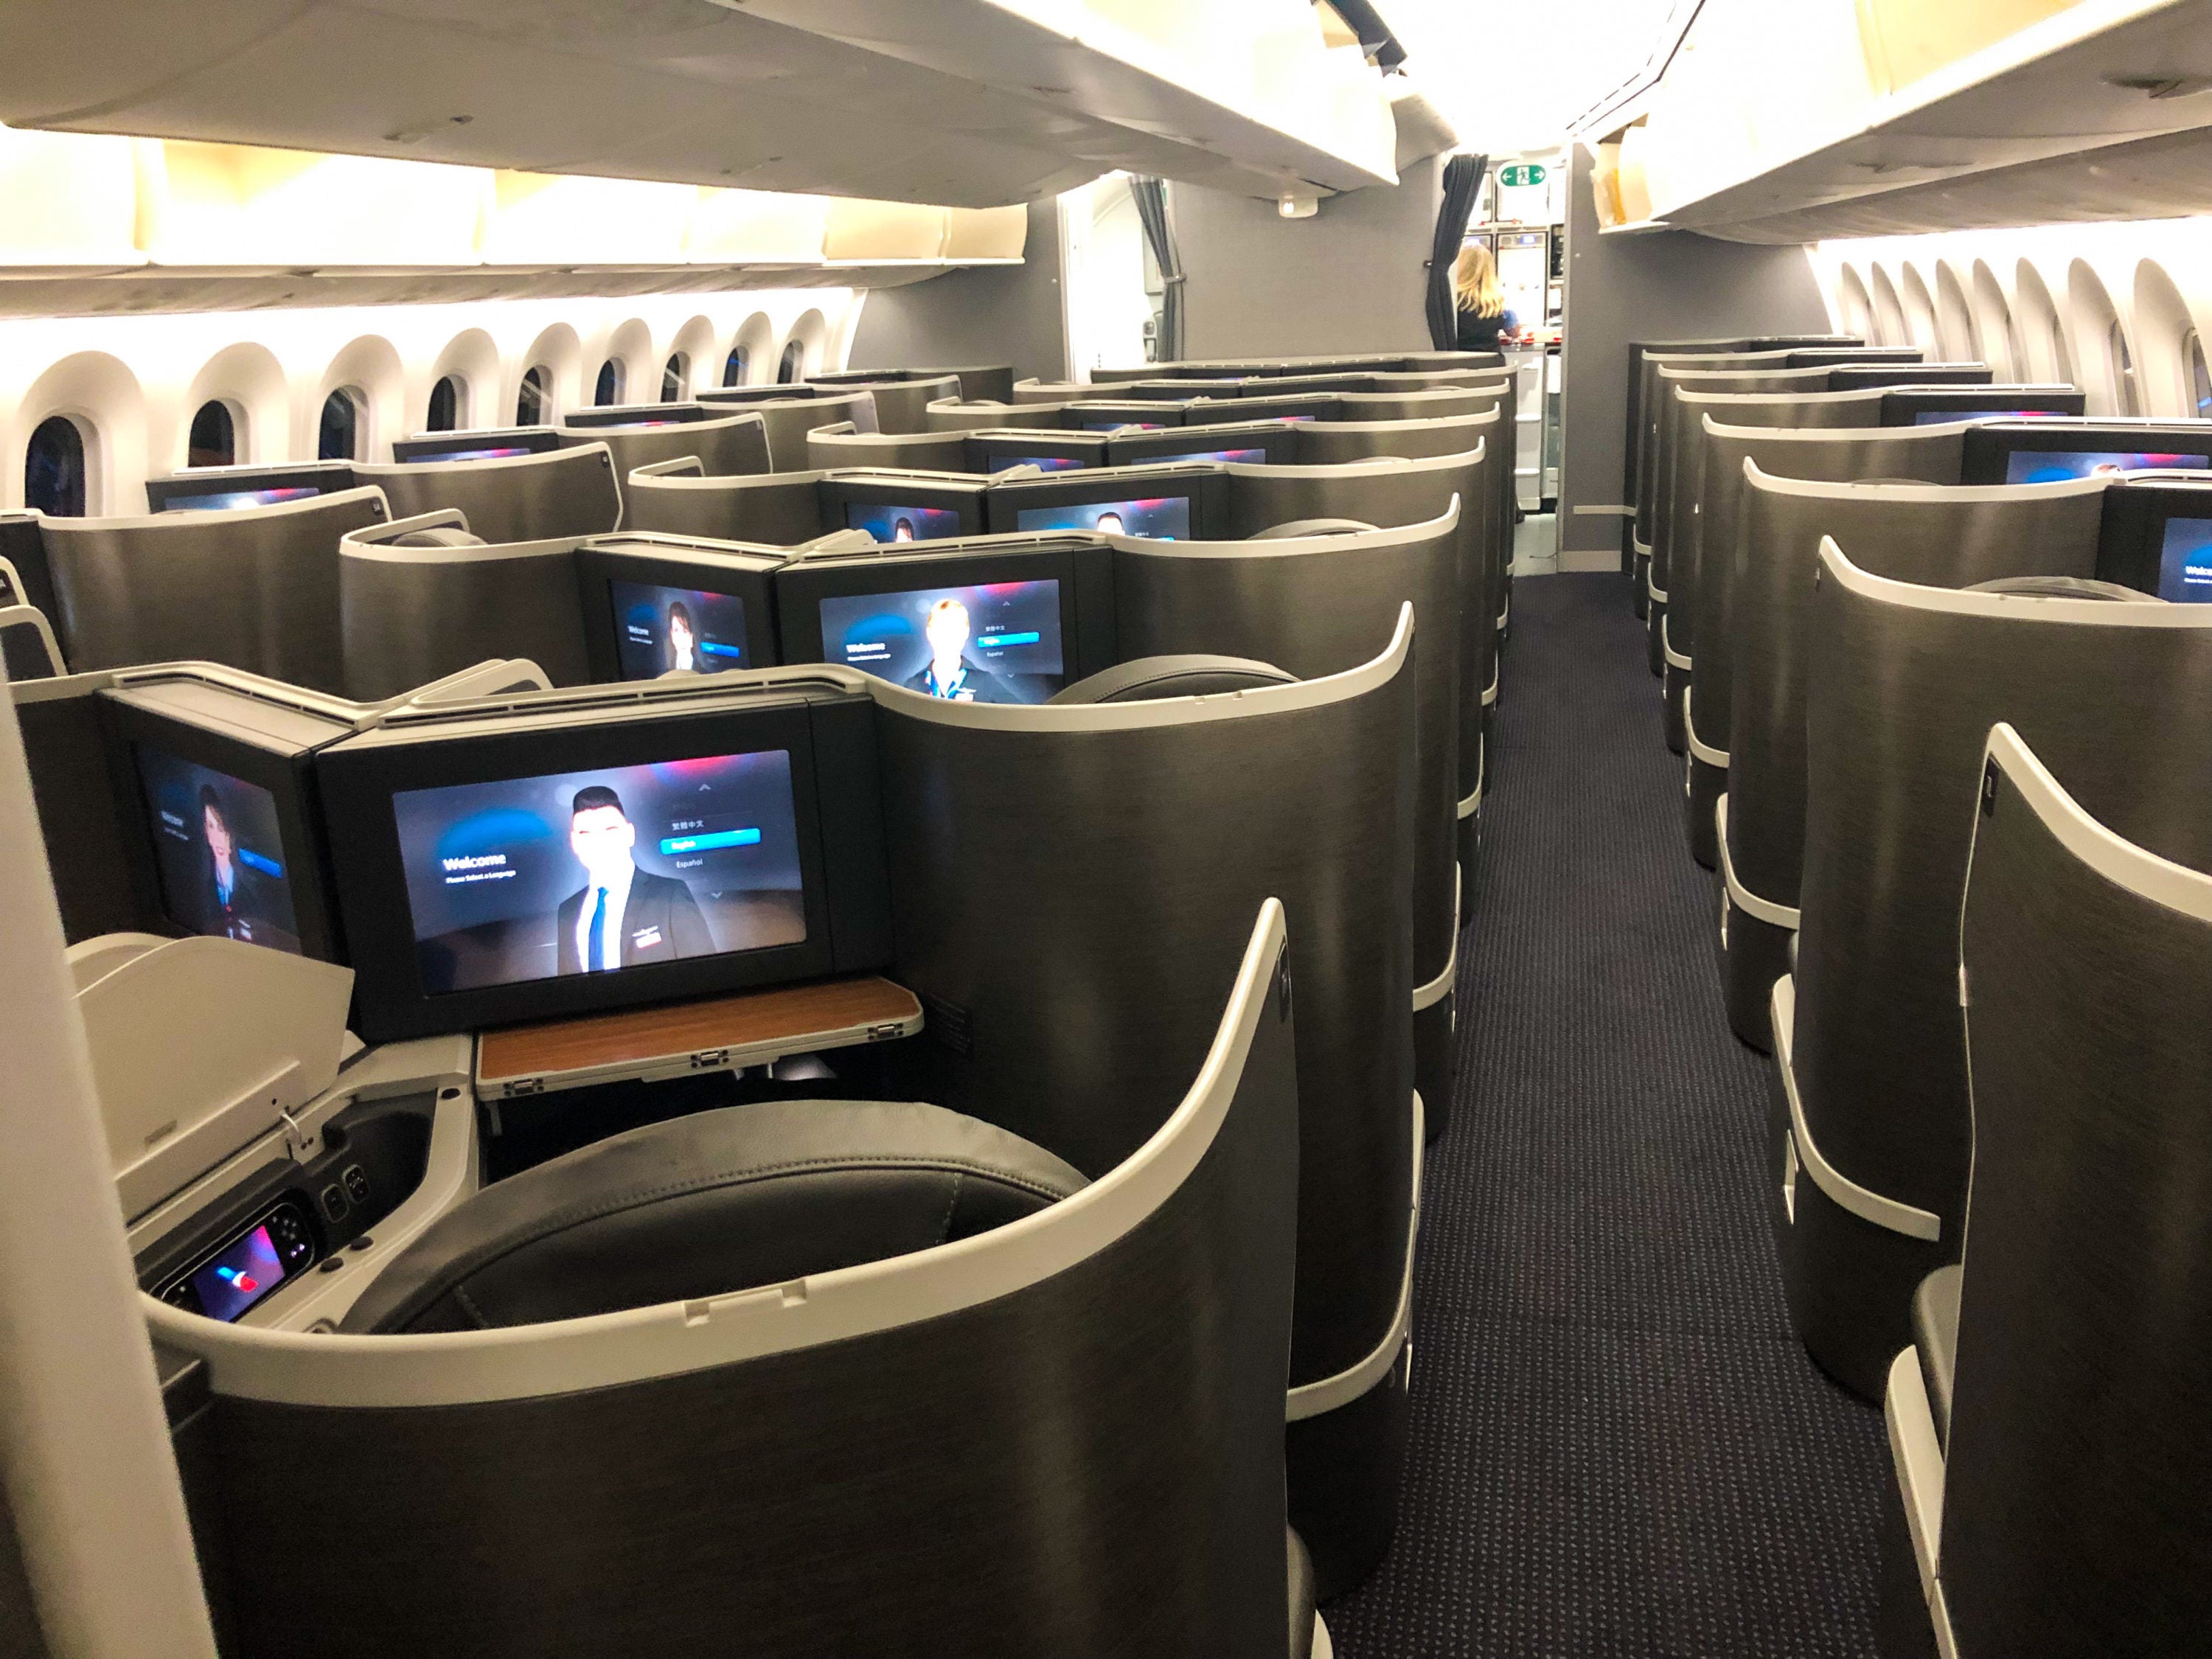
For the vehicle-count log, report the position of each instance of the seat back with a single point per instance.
(729, 445)
(520, 498)
(419, 603)
(777, 509)
(1906, 682)
(2076, 1465)
(930, 452)
(1936, 536)
(832, 1463)
(901, 403)
(254, 587)
(954, 415)
(786, 421)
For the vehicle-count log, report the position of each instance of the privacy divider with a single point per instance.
(930, 452)
(1389, 491)
(949, 415)
(422, 598)
(787, 421)
(1906, 682)
(901, 402)
(2064, 1513)
(519, 498)
(1068, 878)
(254, 587)
(779, 509)
(986, 381)
(1313, 605)
(1702, 593)
(1935, 537)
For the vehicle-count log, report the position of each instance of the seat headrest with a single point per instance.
(444, 537)
(1298, 527)
(2065, 587)
(1193, 676)
(710, 1204)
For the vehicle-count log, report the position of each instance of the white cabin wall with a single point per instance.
(2042, 301)
(131, 384)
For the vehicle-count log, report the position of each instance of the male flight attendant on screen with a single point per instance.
(948, 673)
(682, 641)
(1109, 524)
(622, 917)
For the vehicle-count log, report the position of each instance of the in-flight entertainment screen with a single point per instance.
(889, 521)
(659, 630)
(218, 851)
(2050, 466)
(1161, 518)
(993, 642)
(219, 501)
(581, 873)
(1043, 463)
(2185, 568)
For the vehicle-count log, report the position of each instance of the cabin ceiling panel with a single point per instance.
(959, 102)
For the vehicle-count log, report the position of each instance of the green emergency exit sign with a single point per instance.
(1526, 174)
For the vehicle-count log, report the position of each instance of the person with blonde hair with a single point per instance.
(1482, 313)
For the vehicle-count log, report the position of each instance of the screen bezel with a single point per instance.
(743, 576)
(1207, 483)
(605, 415)
(1087, 415)
(1083, 567)
(442, 446)
(1279, 439)
(288, 776)
(962, 494)
(359, 783)
(326, 478)
(1087, 449)
(2132, 534)
(1989, 447)
(1967, 403)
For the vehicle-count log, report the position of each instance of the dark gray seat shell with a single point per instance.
(776, 509)
(252, 587)
(1950, 537)
(2064, 1512)
(1905, 683)
(827, 1464)
(571, 491)
(1193, 674)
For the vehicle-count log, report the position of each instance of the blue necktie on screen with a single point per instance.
(598, 957)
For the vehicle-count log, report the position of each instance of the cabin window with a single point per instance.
(445, 405)
(54, 469)
(2199, 376)
(735, 365)
(792, 362)
(673, 377)
(338, 435)
(2127, 396)
(608, 388)
(533, 401)
(213, 440)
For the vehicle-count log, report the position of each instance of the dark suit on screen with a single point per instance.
(976, 685)
(657, 906)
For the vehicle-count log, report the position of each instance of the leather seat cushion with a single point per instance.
(709, 1204)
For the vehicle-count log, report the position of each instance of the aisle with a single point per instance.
(1617, 1448)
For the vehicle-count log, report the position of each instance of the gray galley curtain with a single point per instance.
(1152, 198)
(1462, 180)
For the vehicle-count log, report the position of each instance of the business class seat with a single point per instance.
(1392, 491)
(252, 587)
(724, 446)
(785, 421)
(1938, 537)
(780, 1380)
(423, 598)
(1873, 1126)
(573, 491)
(1704, 601)
(2046, 1425)
(842, 446)
(1068, 878)
(901, 400)
(977, 381)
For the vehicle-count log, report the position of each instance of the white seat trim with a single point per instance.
(1862, 1201)
(1312, 1399)
(1699, 749)
(1758, 908)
